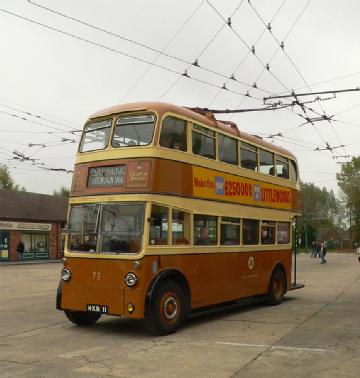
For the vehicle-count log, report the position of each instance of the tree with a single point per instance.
(349, 182)
(62, 192)
(320, 208)
(6, 180)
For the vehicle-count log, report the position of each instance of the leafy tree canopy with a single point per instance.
(349, 181)
(6, 180)
(62, 192)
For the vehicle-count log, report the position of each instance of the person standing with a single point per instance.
(323, 252)
(20, 250)
(313, 249)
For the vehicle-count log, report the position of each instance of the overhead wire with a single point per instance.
(228, 22)
(40, 117)
(151, 63)
(281, 46)
(208, 44)
(246, 56)
(38, 111)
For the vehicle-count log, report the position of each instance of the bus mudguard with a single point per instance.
(168, 274)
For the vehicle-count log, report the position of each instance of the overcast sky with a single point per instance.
(52, 81)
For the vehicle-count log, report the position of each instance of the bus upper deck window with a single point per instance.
(249, 156)
(293, 171)
(95, 136)
(227, 149)
(203, 142)
(266, 162)
(173, 134)
(282, 167)
(133, 130)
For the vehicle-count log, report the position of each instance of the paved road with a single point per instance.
(314, 333)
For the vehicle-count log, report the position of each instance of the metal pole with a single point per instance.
(295, 250)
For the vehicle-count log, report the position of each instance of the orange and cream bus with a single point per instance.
(172, 211)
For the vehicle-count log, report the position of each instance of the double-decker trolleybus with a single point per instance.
(172, 211)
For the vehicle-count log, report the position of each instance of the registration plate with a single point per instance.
(97, 308)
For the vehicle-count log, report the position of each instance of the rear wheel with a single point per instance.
(276, 288)
(167, 310)
(82, 318)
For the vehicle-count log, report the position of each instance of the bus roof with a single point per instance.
(195, 114)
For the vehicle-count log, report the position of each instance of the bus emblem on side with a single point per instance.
(219, 185)
(251, 263)
(257, 193)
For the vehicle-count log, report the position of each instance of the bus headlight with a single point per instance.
(131, 279)
(65, 274)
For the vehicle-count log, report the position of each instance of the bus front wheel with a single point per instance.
(82, 318)
(276, 288)
(167, 309)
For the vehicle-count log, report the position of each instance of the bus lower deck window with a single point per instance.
(205, 230)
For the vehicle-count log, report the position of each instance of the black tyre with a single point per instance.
(82, 318)
(167, 310)
(277, 288)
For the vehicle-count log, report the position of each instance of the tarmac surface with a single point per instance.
(315, 332)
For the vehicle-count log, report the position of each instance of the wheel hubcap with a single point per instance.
(170, 308)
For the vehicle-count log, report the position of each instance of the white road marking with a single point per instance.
(272, 347)
(244, 345)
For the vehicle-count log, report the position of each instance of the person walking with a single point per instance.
(313, 249)
(20, 250)
(324, 248)
(318, 248)
(323, 252)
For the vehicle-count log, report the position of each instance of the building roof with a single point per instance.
(332, 232)
(15, 205)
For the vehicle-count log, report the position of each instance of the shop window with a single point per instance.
(266, 162)
(250, 231)
(159, 225)
(230, 231)
(283, 232)
(34, 242)
(173, 134)
(267, 232)
(249, 156)
(282, 167)
(203, 142)
(180, 226)
(205, 230)
(227, 149)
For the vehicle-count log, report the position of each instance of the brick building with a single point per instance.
(36, 219)
(336, 238)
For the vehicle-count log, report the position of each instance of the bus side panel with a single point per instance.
(200, 271)
(269, 260)
(220, 277)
